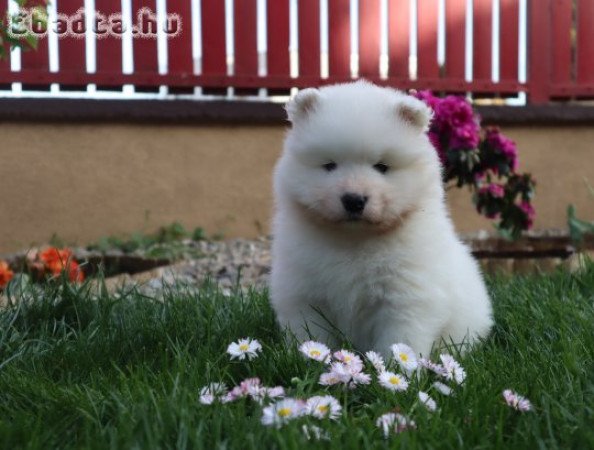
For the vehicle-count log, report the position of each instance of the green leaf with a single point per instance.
(577, 228)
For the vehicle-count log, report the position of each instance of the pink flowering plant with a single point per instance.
(485, 160)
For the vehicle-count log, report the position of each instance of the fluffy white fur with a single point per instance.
(397, 273)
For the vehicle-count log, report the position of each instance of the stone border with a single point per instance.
(242, 112)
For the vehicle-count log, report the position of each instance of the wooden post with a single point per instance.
(539, 51)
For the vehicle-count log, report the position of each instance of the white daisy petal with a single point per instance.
(283, 411)
(312, 432)
(329, 379)
(315, 350)
(377, 361)
(452, 369)
(323, 407)
(394, 422)
(405, 356)
(244, 348)
(442, 388)
(427, 401)
(393, 381)
(212, 392)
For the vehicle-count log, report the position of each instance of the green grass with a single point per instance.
(125, 373)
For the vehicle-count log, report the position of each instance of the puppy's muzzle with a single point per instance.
(354, 204)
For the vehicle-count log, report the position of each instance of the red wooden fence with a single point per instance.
(559, 48)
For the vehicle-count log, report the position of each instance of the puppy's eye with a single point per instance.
(329, 167)
(381, 167)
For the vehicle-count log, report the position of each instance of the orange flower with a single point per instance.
(75, 274)
(55, 260)
(58, 260)
(5, 274)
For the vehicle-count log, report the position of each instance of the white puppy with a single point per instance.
(363, 245)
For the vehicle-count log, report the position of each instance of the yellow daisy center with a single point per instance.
(315, 353)
(394, 380)
(347, 358)
(404, 357)
(323, 408)
(244, 347)
(284, 412)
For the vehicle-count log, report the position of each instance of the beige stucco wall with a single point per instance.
(87, 181)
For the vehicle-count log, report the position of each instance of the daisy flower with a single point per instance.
(323, 406)
(453, 370)
(516, 401)
(329, 379)
(350, 375)
(427, 401)
(442, 388)
(212, 392)
(433, 367)
(377, 361)
(385, 422)
(312, 432)
(342, 372)
(244, 347)
(252, 387)
(283, 411)
(315, 350)
(349, 359)
(405, 356)
(249, 387)
(275, 392)
(229, 397)
(394, 422)
(392, 381)
(360, 378)
(339, 373)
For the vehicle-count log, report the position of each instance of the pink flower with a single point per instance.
(529, 212)
(465, 136)
(450, 369)
(496, 190)
(253, 388)
(275, 392)
(348, 372)
(503, 146)
(430, 100)
(349, 359)
(485, 203)
(454, 125)
(438, 369)
(516, 401)
(453, 369)
(456, 111)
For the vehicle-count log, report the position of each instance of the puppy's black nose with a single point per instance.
(353, 203)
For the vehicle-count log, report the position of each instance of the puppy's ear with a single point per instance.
(414, 113)
(300, 106)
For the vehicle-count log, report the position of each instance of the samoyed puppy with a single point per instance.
(363, 246)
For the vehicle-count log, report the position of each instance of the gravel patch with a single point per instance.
(232, 264)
